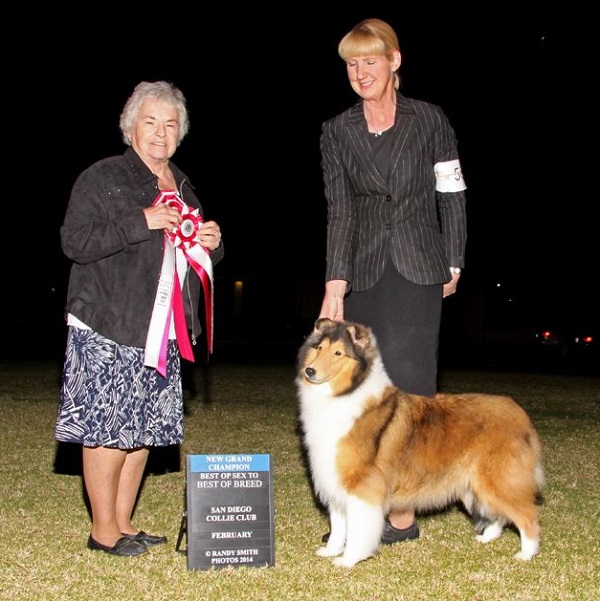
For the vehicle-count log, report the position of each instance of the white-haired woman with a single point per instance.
(121, 392)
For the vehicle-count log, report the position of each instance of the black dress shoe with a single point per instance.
(147, 539)
(125, 547)
(392, 535)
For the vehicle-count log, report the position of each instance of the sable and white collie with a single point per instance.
(373, 448)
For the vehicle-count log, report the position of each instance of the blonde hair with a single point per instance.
(370, 37)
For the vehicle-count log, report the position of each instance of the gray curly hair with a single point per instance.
(161, 90)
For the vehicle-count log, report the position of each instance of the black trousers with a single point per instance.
(405, 318)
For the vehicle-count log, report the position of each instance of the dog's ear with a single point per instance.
(323, 323)
(360, 335)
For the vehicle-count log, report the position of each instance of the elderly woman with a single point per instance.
(121, 392)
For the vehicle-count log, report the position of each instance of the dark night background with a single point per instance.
(515, 82)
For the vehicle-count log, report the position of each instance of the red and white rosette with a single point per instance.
(181, 249)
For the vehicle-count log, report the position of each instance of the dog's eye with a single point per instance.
(338, 353)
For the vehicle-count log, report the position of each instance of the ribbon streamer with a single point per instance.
(180, 247)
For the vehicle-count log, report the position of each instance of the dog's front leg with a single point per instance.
(337, 537)
(364, 525)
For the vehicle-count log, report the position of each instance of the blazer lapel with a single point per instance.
(358, 134)
(404, 126)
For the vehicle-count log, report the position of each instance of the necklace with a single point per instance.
(378, 132)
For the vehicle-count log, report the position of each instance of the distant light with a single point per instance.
(238, 293)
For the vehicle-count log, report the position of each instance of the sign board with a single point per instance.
(230, 515)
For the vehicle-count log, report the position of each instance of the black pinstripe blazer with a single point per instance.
(371, 220)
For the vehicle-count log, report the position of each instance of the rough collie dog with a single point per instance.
(373, 448)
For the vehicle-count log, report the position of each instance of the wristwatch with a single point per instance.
(454, 269)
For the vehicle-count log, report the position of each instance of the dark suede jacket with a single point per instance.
(116, 259)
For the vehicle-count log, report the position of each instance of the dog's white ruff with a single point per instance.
(326, 420)
(356, 526)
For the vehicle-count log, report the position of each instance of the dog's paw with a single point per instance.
(329, 551)
(346, 562)
(524, 556)
(491, 532)
(530, 547)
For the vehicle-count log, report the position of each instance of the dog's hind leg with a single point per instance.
(479, 518)
(513, 505)
(526, 520)
(523, 512)
(530, 547)
(488, 527)
(480, 523)
(524, 515)
(491, 531)
(364, 525)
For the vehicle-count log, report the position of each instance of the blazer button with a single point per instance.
(388, 198)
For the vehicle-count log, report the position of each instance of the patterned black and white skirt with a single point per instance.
(110, 398)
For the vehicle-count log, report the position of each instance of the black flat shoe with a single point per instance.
(124, 547)
(147, 539)
(392, 535)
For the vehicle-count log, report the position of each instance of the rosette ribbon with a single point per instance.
(181, 250)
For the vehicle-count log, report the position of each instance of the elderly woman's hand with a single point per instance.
(209, 235)
(162, 217)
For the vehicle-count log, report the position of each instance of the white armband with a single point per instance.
(449, 177)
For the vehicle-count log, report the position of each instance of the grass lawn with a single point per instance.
(252, 408)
